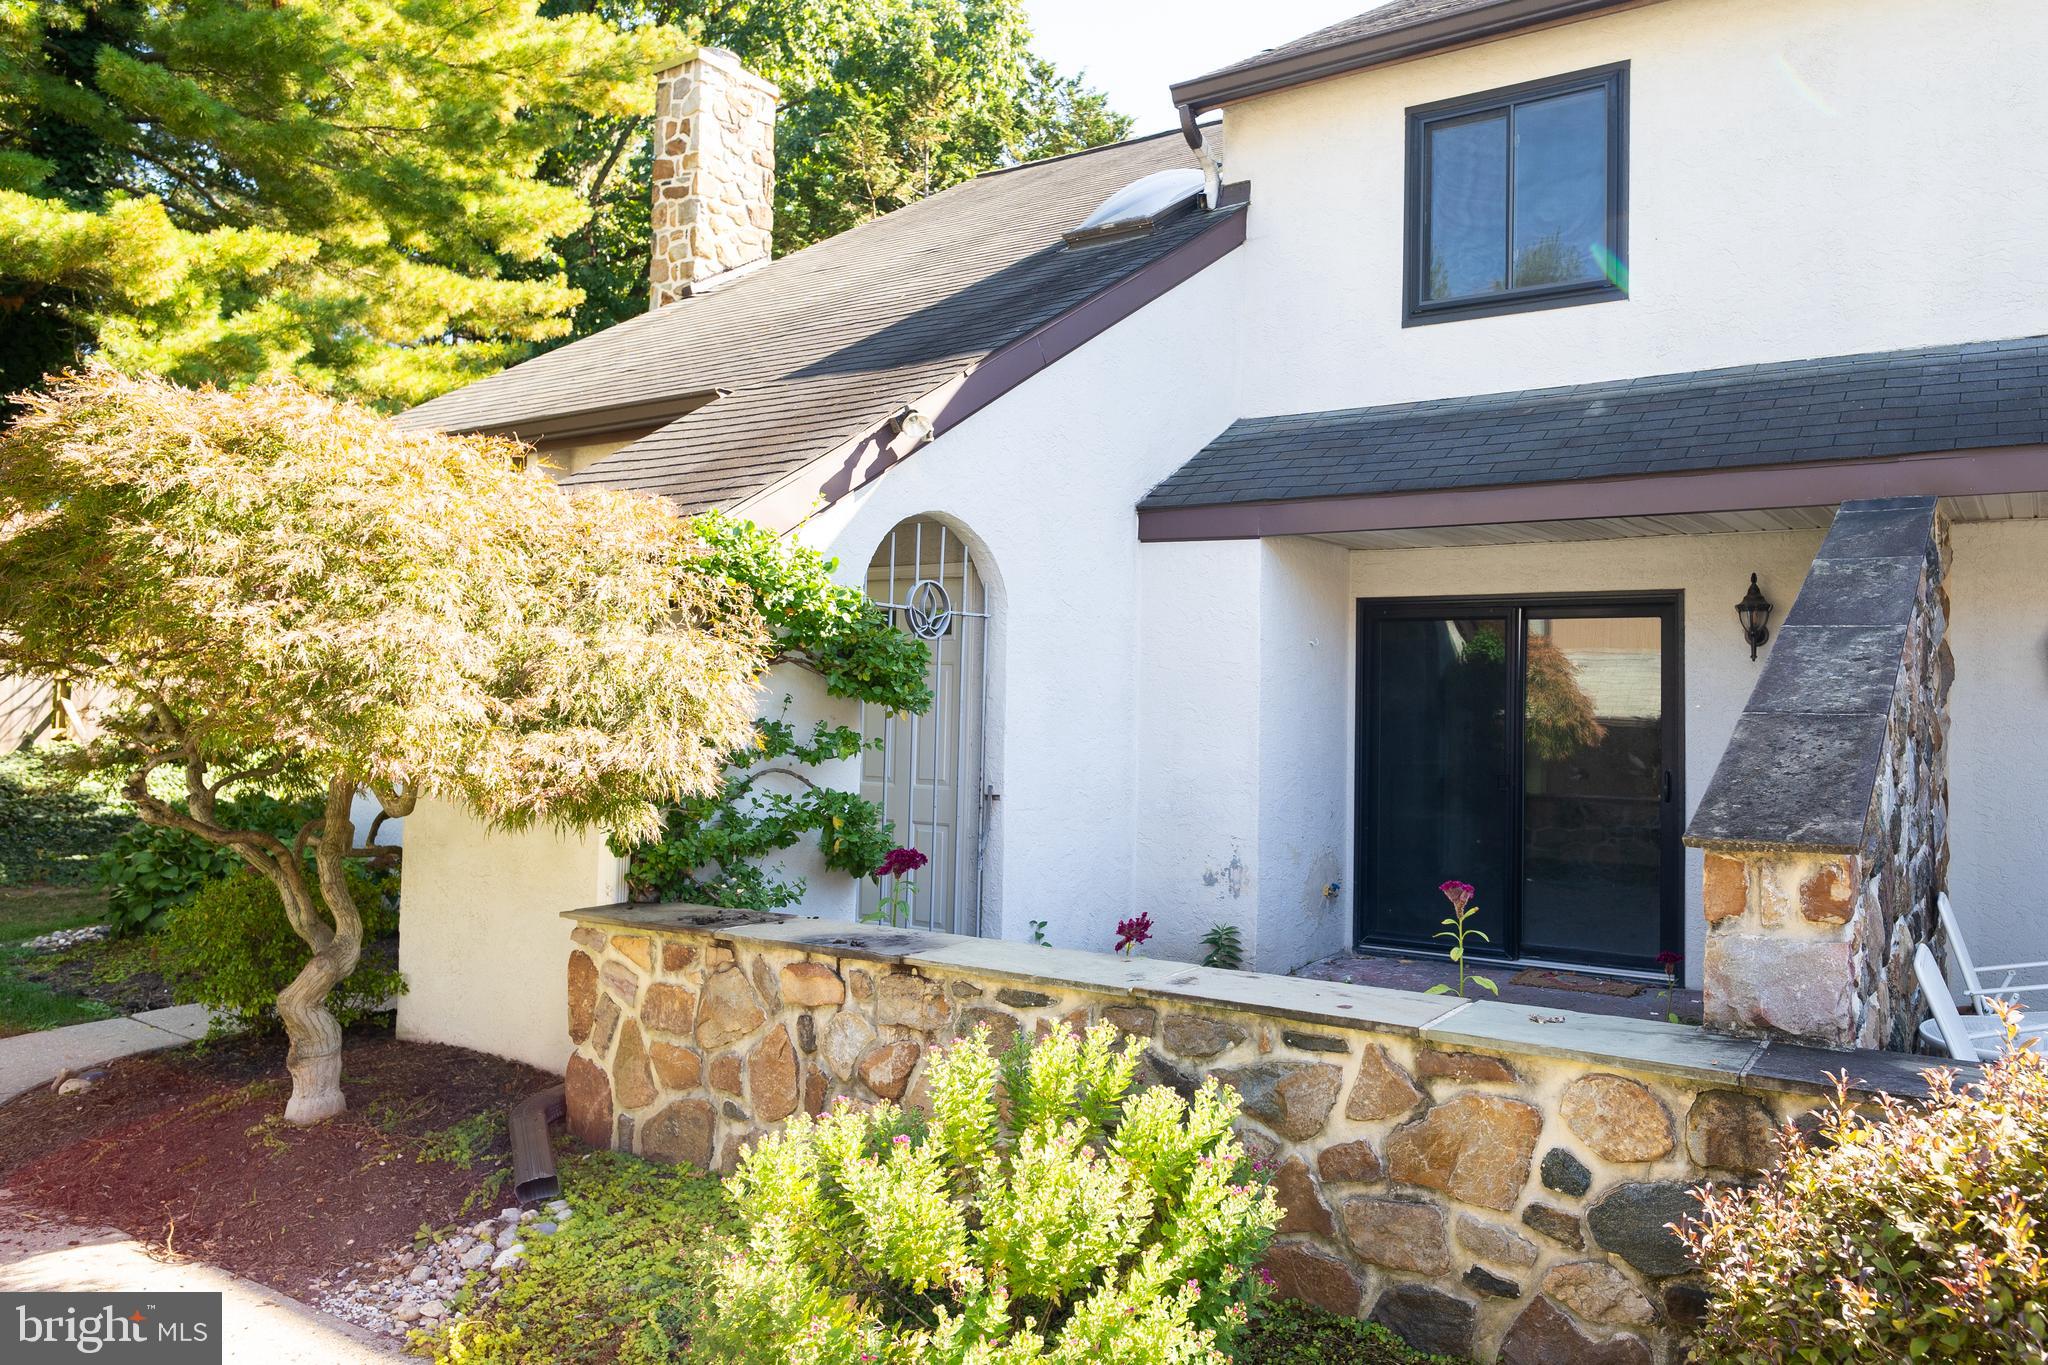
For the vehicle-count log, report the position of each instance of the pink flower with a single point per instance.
(900, 862)
(1132, 932)
(1458, 893)
(1668, 959)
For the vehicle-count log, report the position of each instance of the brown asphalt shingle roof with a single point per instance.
(1392, 32)
(818, 346)
(1390, 18)
(1853, 407)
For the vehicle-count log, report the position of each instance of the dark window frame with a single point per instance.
(1670, 604)
(1415, 310)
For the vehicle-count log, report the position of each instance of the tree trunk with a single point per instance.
(314, 1059)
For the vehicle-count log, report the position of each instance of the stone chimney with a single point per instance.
(714, 171)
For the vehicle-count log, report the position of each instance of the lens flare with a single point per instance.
(1611, 265)
(1806, 90)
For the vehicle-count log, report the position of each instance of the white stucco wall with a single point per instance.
(481, 940)
(1242, 736)
(1998, 738)
(1305, 716)
(1044, 483)
(1711, 571)
(1197, 757)
(1806, 179)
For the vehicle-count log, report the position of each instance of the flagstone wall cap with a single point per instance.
(1641, 1046)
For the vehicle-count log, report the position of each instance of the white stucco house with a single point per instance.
(1366, 502)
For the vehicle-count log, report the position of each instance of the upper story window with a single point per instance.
(1518, 198)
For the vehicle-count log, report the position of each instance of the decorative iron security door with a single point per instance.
(926, 771)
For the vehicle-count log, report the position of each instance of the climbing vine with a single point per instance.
(711, 848)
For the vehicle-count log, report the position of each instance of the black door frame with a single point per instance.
(1670, 606)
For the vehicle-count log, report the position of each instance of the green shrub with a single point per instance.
(1085, 1224)
(1285, 1332)
(53, 824)
(230, 947)
(1914, 1232)
(148, 870)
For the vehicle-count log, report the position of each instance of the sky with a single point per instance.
(1134, 49)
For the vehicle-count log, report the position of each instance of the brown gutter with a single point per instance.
(887, 443)
(1281, 72)
(1960, 473)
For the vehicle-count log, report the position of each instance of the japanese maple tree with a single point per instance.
(290, 594)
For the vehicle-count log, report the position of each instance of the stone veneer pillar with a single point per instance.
(714, 171)
(1826, 824)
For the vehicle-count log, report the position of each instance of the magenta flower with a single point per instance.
(1132, 932)
(900, 862)
(1668, 960)
(1458, 893)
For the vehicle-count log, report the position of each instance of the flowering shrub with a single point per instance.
(1072, 1221)
(1913, 1233)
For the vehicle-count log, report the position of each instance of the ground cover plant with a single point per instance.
(1285, 1332)
(53, 827)
(1910, 1233)
(623, 1281)
(1069, 1220)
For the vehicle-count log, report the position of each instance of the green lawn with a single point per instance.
(29, 911)
(27, 1006)
(25, 912)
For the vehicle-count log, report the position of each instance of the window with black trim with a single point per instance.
(1518, 198)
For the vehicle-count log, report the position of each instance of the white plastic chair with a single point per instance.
(1948, 1020)
(1977, 981)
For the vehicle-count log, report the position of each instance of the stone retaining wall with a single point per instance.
(1481, 1178)
(1826, 824)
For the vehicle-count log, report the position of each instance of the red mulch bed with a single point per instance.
(188, 1149)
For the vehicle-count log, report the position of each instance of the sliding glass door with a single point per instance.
(1531, 748)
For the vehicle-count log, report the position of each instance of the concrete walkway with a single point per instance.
(261, 1326)
(28, 1060)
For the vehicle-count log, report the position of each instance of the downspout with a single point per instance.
(533, 1159)
(1212, 168)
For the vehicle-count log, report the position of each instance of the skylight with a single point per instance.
(1139, 206)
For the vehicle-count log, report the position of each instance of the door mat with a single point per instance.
(1563, 981)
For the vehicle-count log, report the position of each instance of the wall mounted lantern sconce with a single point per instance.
(1754, 612)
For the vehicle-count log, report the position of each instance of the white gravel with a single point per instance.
(411, 1288)
(68, 938)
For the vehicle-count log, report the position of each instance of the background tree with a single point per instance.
(291, 594)
(883, 102)
(343, 191)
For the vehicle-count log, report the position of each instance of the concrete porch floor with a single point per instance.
(1420, 973)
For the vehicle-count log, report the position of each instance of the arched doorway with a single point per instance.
(927, 771)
